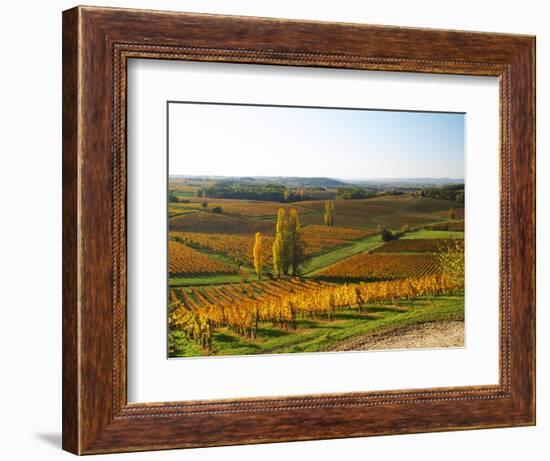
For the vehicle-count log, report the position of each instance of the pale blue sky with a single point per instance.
(230, 140)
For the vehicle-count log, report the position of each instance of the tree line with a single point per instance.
(246, 191)
(350, 193)
(452, 192)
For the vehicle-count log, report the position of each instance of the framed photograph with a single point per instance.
(282, 230)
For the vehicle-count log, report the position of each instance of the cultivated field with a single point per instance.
(239, 246)
(393, 211)
(308, 271)
(205, 222)
(371, 266)
(185, 260)
(434, 245)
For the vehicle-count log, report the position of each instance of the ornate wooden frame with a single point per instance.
(97, 43)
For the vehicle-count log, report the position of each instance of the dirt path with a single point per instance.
(424, 336)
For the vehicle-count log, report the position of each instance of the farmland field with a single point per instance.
(390, 211)
(414, 245)
(374, 266)
(239, 247)
(185, 260)
(448, 226)
(318, 334)
(218, 223)
(257, 209)
(231, 293)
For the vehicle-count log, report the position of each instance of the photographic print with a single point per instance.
(298, 229)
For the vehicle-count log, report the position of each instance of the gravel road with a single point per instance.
(424, 336)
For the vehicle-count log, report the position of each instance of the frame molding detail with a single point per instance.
(97, 43)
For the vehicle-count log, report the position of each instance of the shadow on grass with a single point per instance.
(386, 309)
(305, 324)
(354, 316)
(226, 339)
(272, 332)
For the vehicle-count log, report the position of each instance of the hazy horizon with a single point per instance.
(376, 178)
(344, 144)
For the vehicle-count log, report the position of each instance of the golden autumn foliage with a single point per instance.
(185, 260)
(384, 266)
(316, 239)
(288, 247)
(196, 311)
(258, 256)
(452, 261)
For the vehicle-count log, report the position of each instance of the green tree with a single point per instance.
(329, 211)
(296, 247)
(258, 257)
(386, 234)
(238, 262)
(172, 197)
(281, 248)
(451, 260)
(451, 213)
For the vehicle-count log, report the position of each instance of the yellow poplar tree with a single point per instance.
(280, 245)
(277, 255)
(258, 258)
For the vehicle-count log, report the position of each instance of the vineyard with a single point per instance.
(334, 233)
(390, 211)
(185, 260)
(256, 209)
(370, 266)
(205, 222)
(232, 291)
(177, 209)
(457, 212)
(235, 246)
(178, 187)
(196, 312)
(447, 226)
(242, 208)
(414, 246)
(239, 246)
